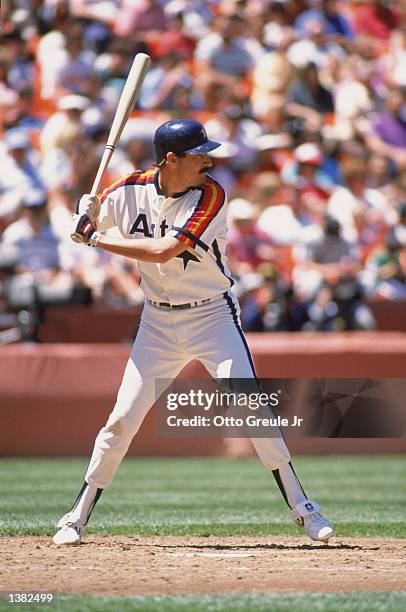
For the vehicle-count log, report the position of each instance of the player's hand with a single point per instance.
(89, 205)
(84, 231)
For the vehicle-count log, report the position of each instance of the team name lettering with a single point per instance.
(140, 226)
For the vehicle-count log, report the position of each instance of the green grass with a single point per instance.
(363, 496)
(242, 602)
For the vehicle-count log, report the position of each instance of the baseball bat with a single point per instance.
(125, 105)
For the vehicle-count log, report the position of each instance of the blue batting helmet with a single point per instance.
(181, 136)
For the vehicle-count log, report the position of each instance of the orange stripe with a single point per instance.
(187, 241)
(135, 177)
(116, 185)
(212, 201)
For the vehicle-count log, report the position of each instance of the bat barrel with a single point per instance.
(126, 103)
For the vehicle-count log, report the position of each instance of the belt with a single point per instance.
(178, 306)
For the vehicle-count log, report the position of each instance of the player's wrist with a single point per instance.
(95, 239)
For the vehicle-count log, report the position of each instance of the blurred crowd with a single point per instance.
(308, 98)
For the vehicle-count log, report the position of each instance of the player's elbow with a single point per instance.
(166, 248)
(162, 256)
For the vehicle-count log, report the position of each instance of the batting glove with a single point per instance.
(89, 205)
(84, 232)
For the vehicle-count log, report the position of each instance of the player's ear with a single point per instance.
(171, 158)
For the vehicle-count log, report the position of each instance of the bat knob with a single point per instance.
(76, 237)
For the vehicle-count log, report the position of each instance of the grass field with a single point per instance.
(321, 602)
(364, 496)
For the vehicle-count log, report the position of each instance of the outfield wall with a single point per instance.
(55, 397)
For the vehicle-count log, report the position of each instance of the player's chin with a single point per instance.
(203, 175)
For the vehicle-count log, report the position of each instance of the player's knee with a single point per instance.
(115, 428)
(122, 427)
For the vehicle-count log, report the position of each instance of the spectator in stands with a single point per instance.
(266, 189)
(271, 77)
(20, 171)
(136, 154)
(392, 64)
(375, 18)
(273, 151)
(175, 38)
(361, 211)
(232, 126)
(65, 126)
(352, 96)
(99, 10)
(336, 301)
(308, 101)
(19, 60)
(112, 67)
(42, 269)
(224, 57)
(77, 65)
(248, 246)
(35, 246)
(121, 283)
(280, 223)
(385, 270)
(306, 172)
(327, 13)
(8, 95)
(161, 82)
(142, 20)
(22, 114)
(388, 133)
(268, 304)
(315, 48)
(278, 32)
(380, 172)
(63, 61)
(221, 170)
(257, 299)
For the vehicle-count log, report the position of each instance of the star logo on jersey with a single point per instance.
(187, 256)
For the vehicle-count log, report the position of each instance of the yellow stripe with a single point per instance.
(208, 210)
(123, 180)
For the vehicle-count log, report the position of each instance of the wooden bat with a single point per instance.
(126, 103)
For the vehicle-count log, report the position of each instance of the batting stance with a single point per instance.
(173, 220)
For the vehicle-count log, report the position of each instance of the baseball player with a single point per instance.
(173, 221)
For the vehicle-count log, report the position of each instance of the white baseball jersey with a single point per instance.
(196, 217)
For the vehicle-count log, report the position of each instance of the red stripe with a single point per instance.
(136, 178)
(210, 204)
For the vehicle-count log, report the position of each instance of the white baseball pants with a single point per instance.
(166, 341)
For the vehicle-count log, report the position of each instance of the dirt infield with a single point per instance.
(190, 565)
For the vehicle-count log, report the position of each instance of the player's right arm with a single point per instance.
(152, 250)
